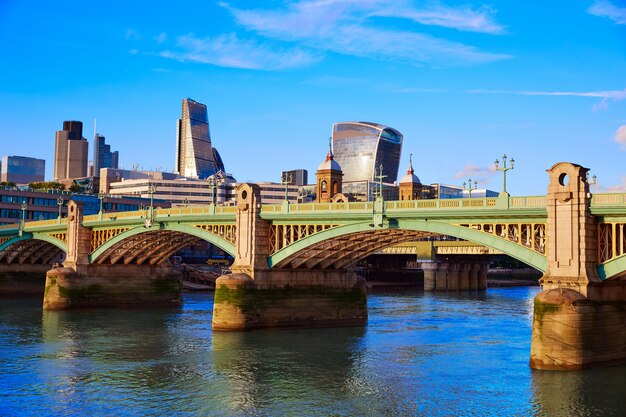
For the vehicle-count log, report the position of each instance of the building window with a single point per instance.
(324, 186)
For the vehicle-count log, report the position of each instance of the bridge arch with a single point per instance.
(32, 249)
(396, 231)
(161, 230)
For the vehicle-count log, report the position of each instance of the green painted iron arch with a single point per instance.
(218, 241)
(610, 269)
(36, 236)
(521, 253)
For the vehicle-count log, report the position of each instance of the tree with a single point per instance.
(75, 188)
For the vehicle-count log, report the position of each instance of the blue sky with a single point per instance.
(464, 82)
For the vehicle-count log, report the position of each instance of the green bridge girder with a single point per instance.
(218, 241)
(521, 253)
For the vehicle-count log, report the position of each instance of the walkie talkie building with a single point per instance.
(361, 148)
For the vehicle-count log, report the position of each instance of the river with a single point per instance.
(419, 355)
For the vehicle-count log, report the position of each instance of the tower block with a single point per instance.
(579, 321)
(255, 296)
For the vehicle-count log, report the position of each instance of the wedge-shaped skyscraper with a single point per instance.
(195, 157)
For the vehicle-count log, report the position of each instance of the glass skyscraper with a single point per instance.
(22, 170)
(361, 148)
(102, 155)
(195, 157)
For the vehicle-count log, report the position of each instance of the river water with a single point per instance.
(420, 354)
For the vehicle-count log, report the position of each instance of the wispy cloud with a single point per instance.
(620, 136)
(615, 188)
(160, 38)
(482, 175)
(132, 35)
(346, 27)
(463, 19)
(606, 96)
(229, 50)
(605, 8)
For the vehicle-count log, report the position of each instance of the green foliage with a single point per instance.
(48, 185)
(7, 184)
(75, 188)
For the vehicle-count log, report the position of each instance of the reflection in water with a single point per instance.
(420, 354)
(595, 392)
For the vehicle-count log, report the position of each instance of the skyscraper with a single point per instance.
(21, 169)
(361, 148)
(102, 155)
(195, 157)
(70, 152)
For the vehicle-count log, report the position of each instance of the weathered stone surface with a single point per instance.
(22, 280)
(571, 331)
(142, 286)
(289, 299)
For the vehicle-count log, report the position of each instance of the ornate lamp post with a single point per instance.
(186, 202)
(213, 187)
(24, 206)
(151, 190)
(467, 186)
(504, 169)
(285, 181)
(100, 197)
(380, 177)
(60, 204)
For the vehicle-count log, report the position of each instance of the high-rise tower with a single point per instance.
(102, 155)
(195, 157)
(70, 152)
(361, 148)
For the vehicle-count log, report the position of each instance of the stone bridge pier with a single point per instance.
(579, 321)
(455, 276)
(256, 296)
(80, 284)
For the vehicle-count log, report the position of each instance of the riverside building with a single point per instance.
(71, 152)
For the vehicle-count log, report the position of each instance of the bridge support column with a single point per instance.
(453, 276)
(441, 277)
(482, 276)
(22, 280)
(579, 321)
(473, 277)
(255, 296)
(79, 284)
(464, 271)
(430, 274)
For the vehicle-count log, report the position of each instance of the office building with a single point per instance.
(70, 152)
(102, 155)
(361, 148)
(47, 204)
(298, 177)
(195, 156)
(22, 170)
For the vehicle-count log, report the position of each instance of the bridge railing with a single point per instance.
(176, 211)
(614, 199)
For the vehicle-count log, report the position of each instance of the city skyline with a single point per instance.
(456, 78)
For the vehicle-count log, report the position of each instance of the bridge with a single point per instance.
(294, 262)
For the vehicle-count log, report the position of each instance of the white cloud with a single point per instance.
(229, 51)
(606, 96)
(482, 175)
(132, 35)
(616, 188)
(620, 136)
(605, 8)
(160, 38)
(346, 27)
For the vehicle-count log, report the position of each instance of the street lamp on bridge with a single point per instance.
(504, 169)
(467, 186)
(286, 180)
(24, 206)
(213, 186)
(100, 197)
(60, 202)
